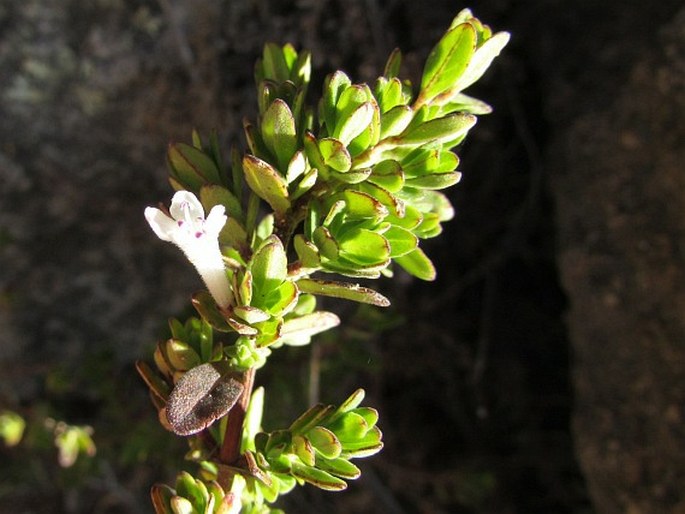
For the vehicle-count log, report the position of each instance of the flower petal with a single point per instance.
(215, 221)
(185, 206)
(160, 223)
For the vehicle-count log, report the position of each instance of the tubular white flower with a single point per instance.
(198, 237)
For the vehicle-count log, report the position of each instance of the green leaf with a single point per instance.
(304, 185)
(392, 66)
(333, 87)
(394, 204)
(282, 299)
(368, 413)
(401, 241)
(304, 327)
(250, 314)
(180, 355)
(191, 489)
(306, 252)
(438, 130)
(309, 419)
(369, 445)
(318, 478)
(181, 506)
(418, 264)
(448, 60)
(266, 182)
(326, 243)
(253, 419)
(363, 205)
(353, 176)
(344, 290)
(325, 442)
(296, 167)
(334, 154)
(274, 63)
(481, 60)
(364, 246)
(339, 467)
(434, 180)
(396, 120)
(279, 132)
(388, 175)
(211, 195)
(192, 167)
(349, 427)
(354, 123)
(352, 402)
(304, 450)
(269, 267)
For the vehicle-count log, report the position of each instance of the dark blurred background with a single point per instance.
(542, 372)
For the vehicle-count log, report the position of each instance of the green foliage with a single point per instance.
(350, 188)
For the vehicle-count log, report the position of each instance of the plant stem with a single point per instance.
(230, 448)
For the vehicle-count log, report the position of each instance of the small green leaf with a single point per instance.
(180, 355)
(279, 132)
(392, 66)
(434, 180)
(325, 243)
(363, 205)
(266, 182)
(312, 417)
(281, 299)
(305, 184)
(333, 87)
(352, 402)
(438, 130)
(364, 246)
(369, 445)
(339, 467)
(296, 167)
(250, 314)
(274, 63)
(325, 442)
(344, 290)
(192, 167)
(181, 505)
(401, 241)
(304, 327)
(418, 264)
(318, 478)
(396, 120)
(211, 195)
(304, 450)
(448, 60)
(354, 123)
(481, 60)
(306, 252)
(388, 175)
(334, 154)
(349, 427)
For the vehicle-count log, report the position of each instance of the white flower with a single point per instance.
(198, 237)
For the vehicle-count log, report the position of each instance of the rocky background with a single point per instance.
(542, 373)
